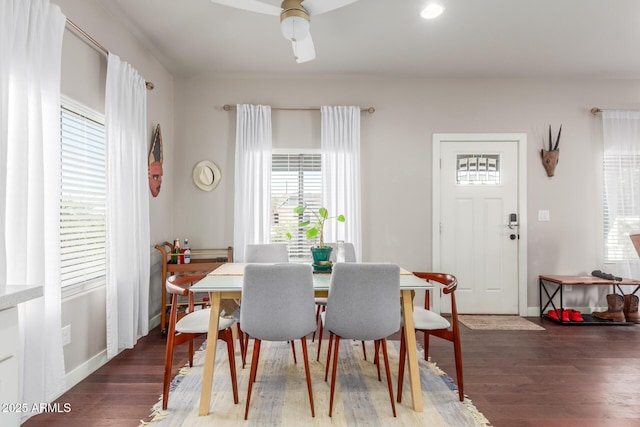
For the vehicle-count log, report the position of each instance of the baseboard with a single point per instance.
(86, 369)
(154, 321)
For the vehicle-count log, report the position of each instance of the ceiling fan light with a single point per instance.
(433, 10)
(294, 27)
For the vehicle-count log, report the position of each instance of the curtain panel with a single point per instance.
(128, 235)
(340, 146)
(252, 204)
(31, 34)
(621, 133)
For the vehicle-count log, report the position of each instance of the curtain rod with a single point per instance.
(596, 110)
(228, 107)
(94, 43)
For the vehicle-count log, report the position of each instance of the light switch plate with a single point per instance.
(543, 215)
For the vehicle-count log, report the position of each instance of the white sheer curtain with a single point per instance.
(252, 204)
(621, 131)
(128, 235)
(340, 142)
(30, 60)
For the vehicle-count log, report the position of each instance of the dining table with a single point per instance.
(226, 283)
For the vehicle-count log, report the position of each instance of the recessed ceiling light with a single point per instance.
(433, 10)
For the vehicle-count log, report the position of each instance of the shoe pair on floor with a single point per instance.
(567, 315)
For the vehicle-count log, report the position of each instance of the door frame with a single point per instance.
(521, 138)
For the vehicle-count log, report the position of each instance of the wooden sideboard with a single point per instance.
(202, 260)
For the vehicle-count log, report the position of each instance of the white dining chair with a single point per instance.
(184, 328)
(363, 305)
(277, 305)
(433, 324)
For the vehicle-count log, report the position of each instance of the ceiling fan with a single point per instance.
(294, 19)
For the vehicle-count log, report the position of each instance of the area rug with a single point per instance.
(280, 393)
(498, 323)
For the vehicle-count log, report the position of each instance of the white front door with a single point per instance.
(479, 222)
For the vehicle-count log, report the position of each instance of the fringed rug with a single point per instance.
(280, 393)
(498, 322)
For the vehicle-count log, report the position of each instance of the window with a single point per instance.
(295, 180)
(82, 196)
(625, 218)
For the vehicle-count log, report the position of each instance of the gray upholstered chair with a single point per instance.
(269, 252)
(321, 303)
(277, 305)
(191, 325)
(364, 305)
(261, 253)
(430, 323)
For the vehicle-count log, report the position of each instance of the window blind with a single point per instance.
(82, 199)
(295, 180)
(621, 206)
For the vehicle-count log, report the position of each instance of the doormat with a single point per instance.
(498, 323)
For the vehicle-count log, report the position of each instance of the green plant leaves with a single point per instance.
(340, 218)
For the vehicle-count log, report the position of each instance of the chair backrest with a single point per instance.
(364, 301)
(349, 252)
(270, 252)
(278, 301)
(450, 283)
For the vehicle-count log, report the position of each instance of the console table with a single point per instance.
(557, 284)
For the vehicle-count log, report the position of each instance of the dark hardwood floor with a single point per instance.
(587, 376)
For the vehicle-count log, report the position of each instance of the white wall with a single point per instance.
(396, 156)
(83, 79)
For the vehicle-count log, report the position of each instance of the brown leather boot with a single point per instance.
(614, 311)
(631, 308)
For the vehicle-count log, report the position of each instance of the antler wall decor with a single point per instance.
(550, 157)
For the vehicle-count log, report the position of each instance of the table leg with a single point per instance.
(412, 350)
(210, 355)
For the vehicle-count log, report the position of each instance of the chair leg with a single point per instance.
(191, 353)
(458, 357)
(307, 372)
(246, 348)
(293, 348)
(427, 335)
(376, 359)
(386, 368)
(326, 368)
(364, 351)
(319, 343)
(401, 361)
(313, 337)
(241, 341)
(168, 359)
(227, 337)
(333, 374)
(168, 362)
(252, 373)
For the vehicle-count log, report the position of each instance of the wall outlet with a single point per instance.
(66, 335)
(568, 288)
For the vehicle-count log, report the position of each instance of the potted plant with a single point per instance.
(320, 253)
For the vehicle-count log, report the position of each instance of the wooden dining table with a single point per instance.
(226, 283)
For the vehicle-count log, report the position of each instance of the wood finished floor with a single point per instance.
(587, 376)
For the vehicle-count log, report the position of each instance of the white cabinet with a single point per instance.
(9, 385)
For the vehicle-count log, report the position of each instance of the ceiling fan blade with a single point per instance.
(303, 50)
(316, 7)
(251, 5)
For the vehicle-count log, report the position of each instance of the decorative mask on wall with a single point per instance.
(155, 163)
(550, 157)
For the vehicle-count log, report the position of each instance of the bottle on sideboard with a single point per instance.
(175, 258)
(186, 252)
